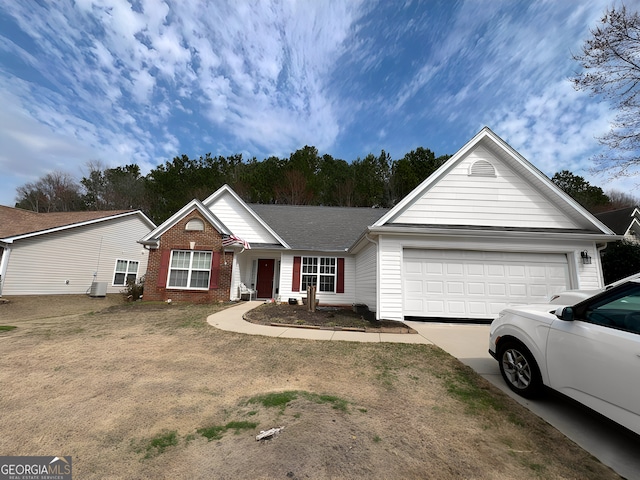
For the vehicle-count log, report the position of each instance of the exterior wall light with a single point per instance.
(586, 259)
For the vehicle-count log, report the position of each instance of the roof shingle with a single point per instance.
(15, 221)
(306, 227)
(617, 220)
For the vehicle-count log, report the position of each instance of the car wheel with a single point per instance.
(519, 369)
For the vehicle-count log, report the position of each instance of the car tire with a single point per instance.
(519, 369)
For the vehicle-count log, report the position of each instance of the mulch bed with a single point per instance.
(330, 318)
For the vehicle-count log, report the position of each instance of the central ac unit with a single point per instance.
(98, 289)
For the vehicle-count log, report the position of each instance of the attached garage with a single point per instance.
(477, 284)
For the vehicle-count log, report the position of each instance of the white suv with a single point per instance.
(570, 297)
(589, 351)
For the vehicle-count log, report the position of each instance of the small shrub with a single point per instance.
(134, 290)
(619, 260)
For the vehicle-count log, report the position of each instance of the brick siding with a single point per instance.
(177, 238)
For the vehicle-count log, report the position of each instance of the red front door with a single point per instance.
(265, 277)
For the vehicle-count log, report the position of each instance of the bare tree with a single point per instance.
(618, 199)
(295, 189)
(114, 188)
(55, 192)
(610, 61)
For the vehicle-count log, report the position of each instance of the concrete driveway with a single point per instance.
(612, 445)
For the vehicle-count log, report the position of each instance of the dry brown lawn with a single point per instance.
(151, 391)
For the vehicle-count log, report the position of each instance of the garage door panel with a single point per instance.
(456, 308)
(414, 304)
(455, 269)
(474, 288)
(413, 288)
(517, 290)
(436, 306)
(466, 284)
(516, 271)
(495, 271)
(434, 268)
(497, 289)
(477, 309)
(414, 268)
(557, 273)
(540, 291)
(476, 270)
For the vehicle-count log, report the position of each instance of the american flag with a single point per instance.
(232, 240)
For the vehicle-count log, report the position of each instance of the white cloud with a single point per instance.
(555, 129)
(122, 81)
(111, 69)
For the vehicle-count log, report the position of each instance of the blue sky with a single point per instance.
(143, 81)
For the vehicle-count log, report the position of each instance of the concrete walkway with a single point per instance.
(231, 319)
(610, 444)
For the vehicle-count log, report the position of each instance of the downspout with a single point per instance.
(599, 248)
(377, 274)
(4, 263)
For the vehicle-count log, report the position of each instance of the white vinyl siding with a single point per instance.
(238, 220)
(366, 275)
(506, 200)
(390, 283)
(65, 262)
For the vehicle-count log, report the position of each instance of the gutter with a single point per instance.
(442, 232)
(148, 244)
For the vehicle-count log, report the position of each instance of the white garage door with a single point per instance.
(472, 284)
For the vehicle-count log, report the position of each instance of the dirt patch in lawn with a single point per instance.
(324, 317)
(43, 307)
(139, 391)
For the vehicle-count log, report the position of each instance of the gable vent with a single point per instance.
(482, 168)
(195, 225)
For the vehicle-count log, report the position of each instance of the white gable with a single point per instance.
(238, 218)
(473, 193)
(488, 184)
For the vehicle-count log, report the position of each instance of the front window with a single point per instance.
(126, 272)
(189, 269)
(319, 271)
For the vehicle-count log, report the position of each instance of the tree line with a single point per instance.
(304, 178)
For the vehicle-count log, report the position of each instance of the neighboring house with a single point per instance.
(66, 252)
(486, 230)
(624, 221)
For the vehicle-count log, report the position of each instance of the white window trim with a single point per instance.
(126, 272)
(190, 270)
(319, 274)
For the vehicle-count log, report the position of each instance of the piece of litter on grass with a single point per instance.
(267, 434)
